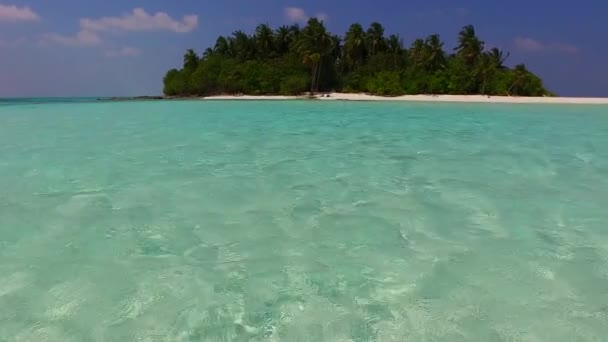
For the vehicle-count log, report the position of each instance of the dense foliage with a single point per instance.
(292, 60)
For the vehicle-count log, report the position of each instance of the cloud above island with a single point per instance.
(299, 15)
(140, 20)
(82, 38)
(12, 13)
(533, 45)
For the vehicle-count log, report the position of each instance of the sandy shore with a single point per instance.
(427, 98)
(252, 97)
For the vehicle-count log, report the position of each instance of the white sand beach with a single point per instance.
(424, 98)
(252, 97)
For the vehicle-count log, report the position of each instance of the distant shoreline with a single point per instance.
(367, 97)
(468, 99)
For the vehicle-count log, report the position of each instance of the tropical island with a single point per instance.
(292, 60)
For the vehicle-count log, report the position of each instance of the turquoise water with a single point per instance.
(303, 221)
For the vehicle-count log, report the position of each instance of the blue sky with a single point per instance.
(124, 47)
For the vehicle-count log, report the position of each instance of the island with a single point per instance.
(294, 60)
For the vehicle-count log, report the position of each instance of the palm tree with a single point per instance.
(394, 44)
(314, 43)
(469, 46)
(222, 47)
(520, 75)
(295, 30)
(375, 38)
(242, 45)
(336, 50)
(434, 54)
(498, 57)
(417, 53)
(285, 36)
(282, 39)
(207, 53)
(354, 45)
(487, 65)
(485, 69)
(231, 44)
(314, 59)
(264, 41)
(190, 60)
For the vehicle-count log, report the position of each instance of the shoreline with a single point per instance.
(420, 98)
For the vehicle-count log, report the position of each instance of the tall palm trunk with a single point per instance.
(314, 76)
(318, 75)
(510, 88)
(513, 85)
(483, 85)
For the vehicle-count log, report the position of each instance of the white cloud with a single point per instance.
(295, 14)
(82, 38)
(533, 45)
(298, 15)
(12, 13)
(124, 52)
(140, 20)
(528, 44)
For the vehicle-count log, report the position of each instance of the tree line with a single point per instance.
(292, 60)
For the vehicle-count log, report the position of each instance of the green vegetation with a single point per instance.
(292, 60)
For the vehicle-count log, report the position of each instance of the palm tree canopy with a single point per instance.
(498, 57)
(354, 45)
(314, 39)
(222, 46)
(520, 70)
(417, 53)
(208, 52)
(469, 46)
(394, 44)
(264, 40)
(283, 39)
(241, 45)
(190, 60)
(355, 36)
(375, 38)
(434, 56)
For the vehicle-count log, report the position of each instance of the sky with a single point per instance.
(124, 47)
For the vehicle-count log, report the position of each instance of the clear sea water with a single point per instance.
(302, 221)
